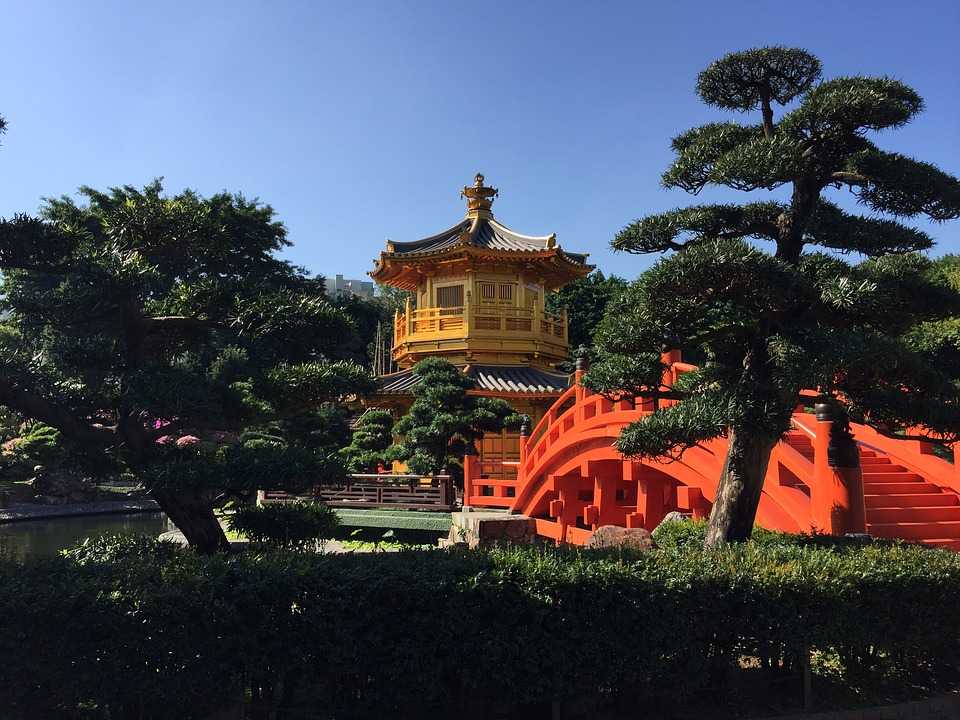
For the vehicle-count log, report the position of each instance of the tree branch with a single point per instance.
(39, 408)
(176, 322)
(767, 111)
(849, 178)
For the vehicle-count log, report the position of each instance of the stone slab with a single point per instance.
(490, 527)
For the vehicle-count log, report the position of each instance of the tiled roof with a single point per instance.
(495, 378)
(481, 232)
(398, 383)
(501, 378)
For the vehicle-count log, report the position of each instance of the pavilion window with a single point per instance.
(450, 296)
(496, 293)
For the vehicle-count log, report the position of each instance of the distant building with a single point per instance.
(342, 286)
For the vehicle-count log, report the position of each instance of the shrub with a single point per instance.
(294, 525)
(134, 628)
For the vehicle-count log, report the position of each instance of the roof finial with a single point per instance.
(479, 197)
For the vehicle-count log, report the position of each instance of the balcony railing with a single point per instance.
(479, 321)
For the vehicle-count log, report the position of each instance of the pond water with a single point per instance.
(45, 538)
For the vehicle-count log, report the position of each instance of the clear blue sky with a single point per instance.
(360, 121)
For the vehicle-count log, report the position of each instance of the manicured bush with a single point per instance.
(133, 628)
(293, 525)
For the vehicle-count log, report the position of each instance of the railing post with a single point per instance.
(669, 376)
(583, 364)
(408, 316)
(469, 472)
(836, 497)
(524, 439)
(956, 460)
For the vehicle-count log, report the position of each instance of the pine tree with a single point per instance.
(766, 325)
(163, 333)
(444, 419)
(371, 439)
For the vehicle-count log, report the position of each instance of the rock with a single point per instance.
(672, 517)
(64, 485)
(614, 536)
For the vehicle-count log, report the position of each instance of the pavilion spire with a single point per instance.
(479, 198)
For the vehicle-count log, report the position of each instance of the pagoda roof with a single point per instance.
(481, 232)
(478, 234)
(502, 379)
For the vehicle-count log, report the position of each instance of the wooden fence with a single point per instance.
(401, 492)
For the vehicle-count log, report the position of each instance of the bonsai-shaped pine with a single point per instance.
(765, 325)
(444, 419)
(163, 333)
(371, 439)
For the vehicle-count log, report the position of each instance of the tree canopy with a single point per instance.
(165, 331)
(769, 324)
(585, 300)
(371, 439)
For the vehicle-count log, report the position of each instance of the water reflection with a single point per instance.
(44, 538)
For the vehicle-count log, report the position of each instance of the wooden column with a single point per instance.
(469, 472)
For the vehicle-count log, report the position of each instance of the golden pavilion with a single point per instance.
(477, 299)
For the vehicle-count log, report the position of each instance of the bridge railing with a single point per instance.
(480, 490)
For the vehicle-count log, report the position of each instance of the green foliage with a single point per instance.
(443, 419)
(165, 318)
(128, 625)
(371, 439)
(254, 461)
(742, 80)
(851, 104)
(585, 300)
(905, 187)
(36, 444)
(293, 526)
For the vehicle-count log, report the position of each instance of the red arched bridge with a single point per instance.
(571, 479)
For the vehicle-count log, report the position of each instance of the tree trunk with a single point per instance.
(741, 482)
(193, 516)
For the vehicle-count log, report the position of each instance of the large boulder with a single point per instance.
(614, 536)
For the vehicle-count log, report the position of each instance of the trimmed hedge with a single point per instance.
(137, 628)
(291, 526)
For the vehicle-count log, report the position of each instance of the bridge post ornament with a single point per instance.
(842, 450)
(525, 426)
(582, 355)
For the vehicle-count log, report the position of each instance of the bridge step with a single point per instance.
(915, 530)
(875, 460)
(870, 470)
(934, 513)
(898, 488)
(885, 477)
(945, 543)
(908, 500)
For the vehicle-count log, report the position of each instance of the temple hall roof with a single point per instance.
(511, 379)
